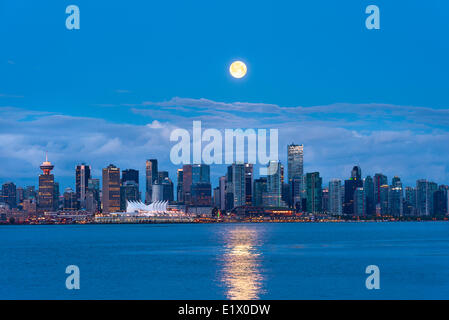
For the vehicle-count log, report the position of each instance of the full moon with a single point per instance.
(238, 69)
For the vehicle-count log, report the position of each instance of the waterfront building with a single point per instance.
(111, 189)
(260, 188)
(379, 180)
(396, 198)
(248, 183)
(82, 176)
(71, 201)
(335, 197)
(274, 185)
(359, 202)
(47, 195)
(410, 201)
(9, 194)
(314, 192)
(368, 186)
(179, 186)
(222, 187)
(129, 191)
(151, 174)
(187, 183)
(130, 175)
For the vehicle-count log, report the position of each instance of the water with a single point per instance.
(226, 261)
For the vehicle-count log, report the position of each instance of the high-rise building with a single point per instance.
(383, 206)
(151, 175)
(314, 192)
(424, 197)
(222, 187)
(187, 183)
(129, 191)
(260, 188)
(335, 197)
(379, 180)
(359, 202)
(93, 204)
(295, 161)
(440, 201)
(82, 176)
(274, 185)
(71, 201)
(410, 201)
(297, 192)
(325, 200)
(163, 190)
(179, 187)
(238, 186)
(130, 175)
(368, 186)
(248, 183)
(111, 189)
(351, 186)
(201, 194)
(396, 198)
(9, 194)
(47, 188)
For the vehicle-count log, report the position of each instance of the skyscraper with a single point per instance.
(260, 188)
(359, 202)
(396, 198)
(248, 183)
(187, 183)
(222, 187)
(238, 186)
(351, 186)
(379, 180)
(335, 205)
(314, 192)
(82, 176)
(111, 189)
(179, 187)
(9, 194)
(151, 176)
(274, 184)
(410, 201)
(368, 185)
(129, 191)
(130, 175)
(46, 187)
(295, 161)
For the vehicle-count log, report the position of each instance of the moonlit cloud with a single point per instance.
(411, 142)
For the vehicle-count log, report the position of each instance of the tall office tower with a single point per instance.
(296, 187)
(295, 161)
(20, 195)
(314, 192)
(9, 194)
(46, 193)
(201, 194)
(200, 188)
(130, 175)
(440, 201)
(286, 199)
(222, 186)
(248, 183)
(179, 186)
(368, 186)
(325, 200)
(187, 183)
(111, 189)
(359, 202)
(129, 191)
(93, 194)
(216, 198)
(82, 176)
(274, 184)
(229, 197)
(56, 195)
(150, 177)
(350, 187)
(259, 189)
(356, 173)
(384, 195)
(70, 200)
(335, 204)
(396, 198)
(410, 201)
(30, 193)
(422, 198)
(432, 187)
(379, 180)
(163, 190)
(238, 186)
(161, 175)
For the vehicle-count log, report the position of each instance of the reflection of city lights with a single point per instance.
(241, 264)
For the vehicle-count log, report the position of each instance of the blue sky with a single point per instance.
(113, 90)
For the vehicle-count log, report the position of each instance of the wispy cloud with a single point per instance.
(411, 142)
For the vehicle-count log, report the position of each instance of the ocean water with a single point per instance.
(226, 261)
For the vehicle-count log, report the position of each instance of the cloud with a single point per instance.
(411, 142)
